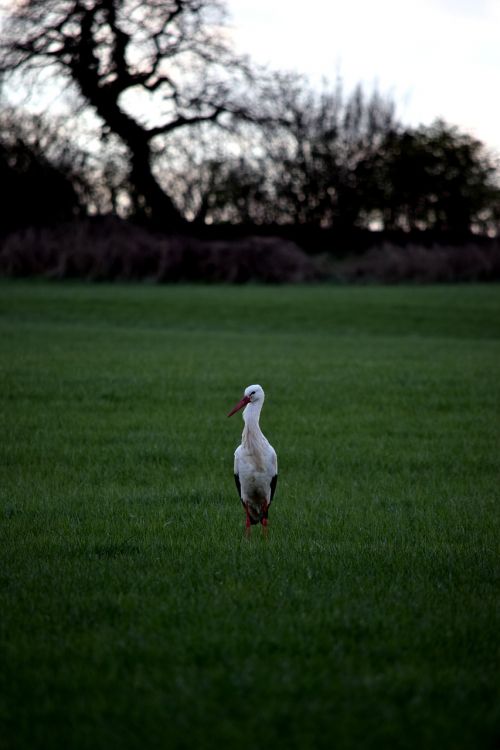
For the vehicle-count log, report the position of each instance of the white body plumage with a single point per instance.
(255, 460)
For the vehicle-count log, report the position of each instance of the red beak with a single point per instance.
(244, 401)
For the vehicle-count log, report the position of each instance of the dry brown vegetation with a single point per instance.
(111, 249)
(108, 249)
(392, 264)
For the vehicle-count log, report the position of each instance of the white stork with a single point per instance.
(255, 461)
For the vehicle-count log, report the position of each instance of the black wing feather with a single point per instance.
(238, 484)
(274, 482)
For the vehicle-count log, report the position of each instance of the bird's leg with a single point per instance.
(248, 525)
(264, 520)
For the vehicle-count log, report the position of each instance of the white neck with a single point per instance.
(251, 414)
(252, 434)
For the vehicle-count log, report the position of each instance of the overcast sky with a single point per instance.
(436, 58)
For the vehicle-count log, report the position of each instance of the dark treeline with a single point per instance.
(214, 148)
(349, 167)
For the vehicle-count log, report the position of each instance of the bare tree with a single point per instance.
(320, 156)
(147, 68)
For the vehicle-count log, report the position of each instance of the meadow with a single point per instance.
(133, 610)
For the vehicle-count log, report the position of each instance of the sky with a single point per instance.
(434, 58)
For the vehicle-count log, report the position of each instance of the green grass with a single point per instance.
(134, 613)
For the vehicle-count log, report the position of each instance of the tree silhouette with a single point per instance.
(435, 178)
(41, 173)
(147, 69)
(317, 158)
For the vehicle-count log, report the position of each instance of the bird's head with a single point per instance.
(253, 394)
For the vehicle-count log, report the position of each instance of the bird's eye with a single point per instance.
(252, 393)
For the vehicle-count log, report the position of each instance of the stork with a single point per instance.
(255, 461)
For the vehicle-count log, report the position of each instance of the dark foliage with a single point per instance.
(434, 178)
(35, 189)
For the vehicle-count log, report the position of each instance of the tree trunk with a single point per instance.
(150, 201)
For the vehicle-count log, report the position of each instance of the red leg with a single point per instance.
(264, 520)
(248, 524)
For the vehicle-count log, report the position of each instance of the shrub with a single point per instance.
(108, 248)
(392, 264)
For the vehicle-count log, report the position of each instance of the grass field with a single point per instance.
(134, 613)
